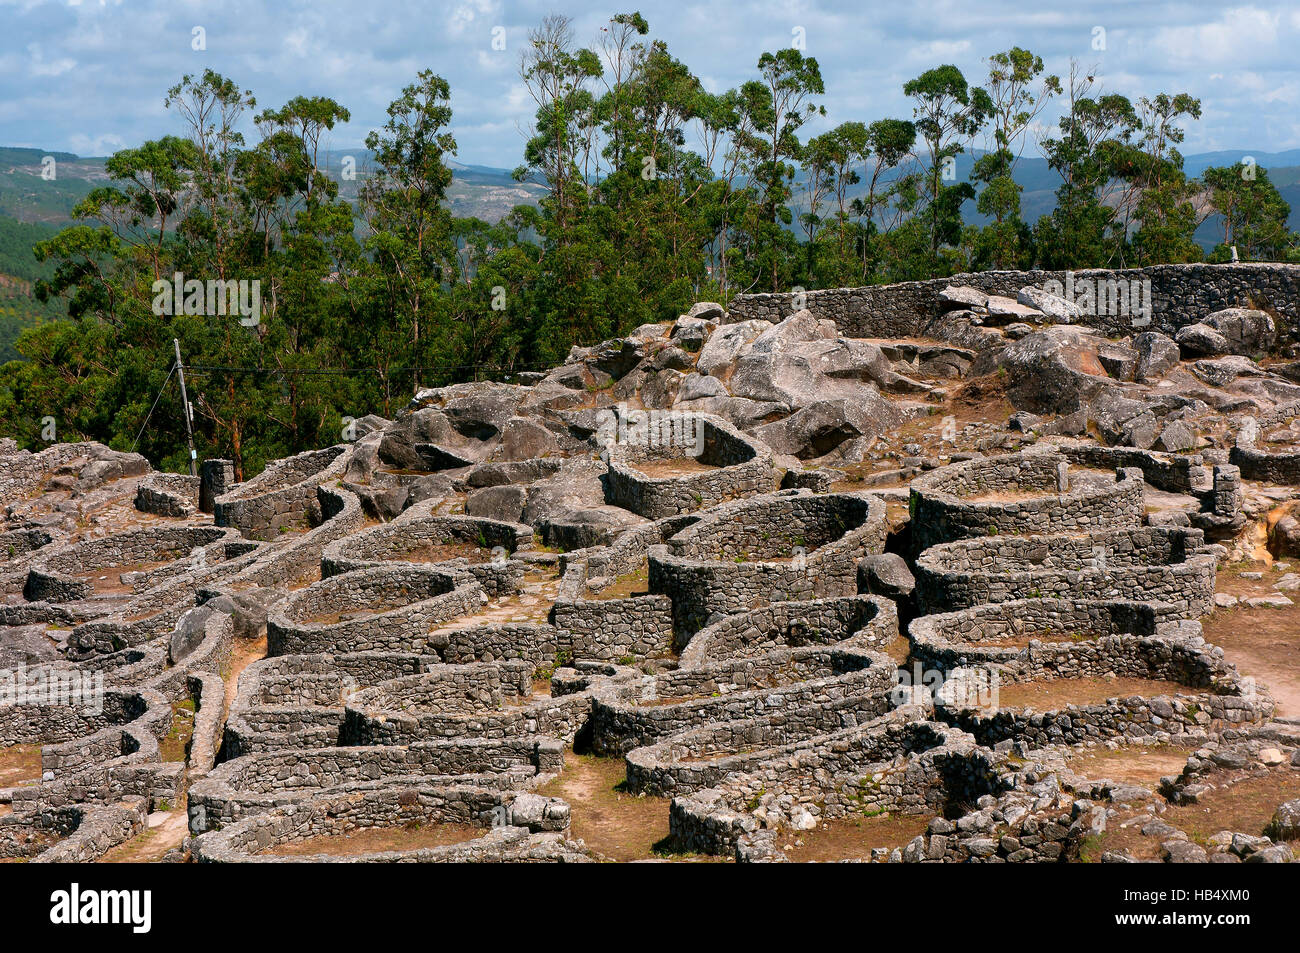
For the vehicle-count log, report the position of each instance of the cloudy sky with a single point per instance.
(88, 76)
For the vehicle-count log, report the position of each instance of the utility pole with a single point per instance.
(185, 405)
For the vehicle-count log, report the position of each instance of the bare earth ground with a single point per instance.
(108, 580)
(1263, 643)
(1242, 802)
(845, 838)
(626, 586)
(374, 839)
(1021, 641)
(619, 825)
(441, 552)
(19, 764)
(1133, 765)
(1057, 693)
(242, 654)
(166, 830)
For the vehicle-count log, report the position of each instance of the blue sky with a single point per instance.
(89, 76)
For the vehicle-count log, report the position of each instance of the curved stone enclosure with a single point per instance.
(481, 547)
(153, 555)
(1214, 693)
(901, 766)
(1167, 565)
(629, 714)
(168, 494)
(506, 817)
(280, 497)
(272, 779)
(870, 621)
(738, 465)
(1019, 493)
(487, 700)
(786, 546)
(383, 608)
(701, 757)
(1258, 463)
(950, 640)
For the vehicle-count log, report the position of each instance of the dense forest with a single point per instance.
(658, 193)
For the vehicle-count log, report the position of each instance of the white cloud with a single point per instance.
(102, 69)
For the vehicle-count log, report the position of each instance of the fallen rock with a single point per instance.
(886, 575)
(1052, 306)
(1201, 340)
(824, 425)
(1158, 354)
(1246, 330)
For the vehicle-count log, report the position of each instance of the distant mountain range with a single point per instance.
(490, 193)
(478, 191)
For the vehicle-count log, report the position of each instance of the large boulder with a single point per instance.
(1177, 435)
(718, 354)
(1002, 310)
(1158, 354)
(247, 608)
(804, 359)
(1246, 330)
(579, 527)
(1054, 371)
(1285, 824)
(1284, 537)
(886, 575)
(739, 411)
(1124, 421)
(961, 297)
(26, 645)
(187, 636)
(659, 390)
(1052, 306)
(824, 425)
(577, 485)
(1201, 340)
(504, 503)
(479, 410)
(1222, 371)
(105, 465)
(364, 458)
(618, 356)
(697, 386)
(524, 439)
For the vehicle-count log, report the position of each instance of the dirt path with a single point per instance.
(166, 830)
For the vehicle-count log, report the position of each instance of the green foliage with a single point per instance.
(654, 193)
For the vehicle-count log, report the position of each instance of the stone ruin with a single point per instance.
(935, 572)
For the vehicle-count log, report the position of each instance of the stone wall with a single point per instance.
(870, 621)
(54, 577)
(390, 808)
(741, 466)
(1025, 493)
(281, 496)
(704, 756)
(631, 714)
(1180, 295)
(168, 494)
(732, 561)
(1255, 463)
(266, 781)
(952, 639)
(899, 766)
(393, 607)
(1154, 564)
